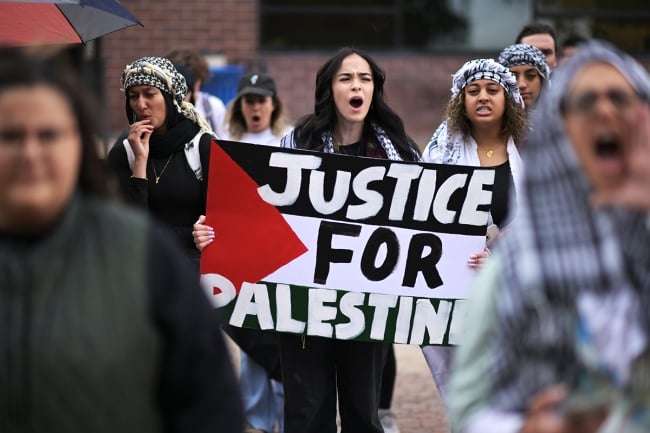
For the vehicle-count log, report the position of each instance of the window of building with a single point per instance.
(420, 25)
(625, 23)
(446, 25)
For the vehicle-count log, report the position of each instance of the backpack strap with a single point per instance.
(207, 108)
(193, 155)
(191, 150)
(130, 155)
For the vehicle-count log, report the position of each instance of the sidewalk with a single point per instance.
(416, 403)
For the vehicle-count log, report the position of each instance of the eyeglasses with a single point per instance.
(585, 103)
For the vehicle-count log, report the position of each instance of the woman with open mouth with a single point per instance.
(485, 124)
(350, 117)
(256, 116)
(564, 340)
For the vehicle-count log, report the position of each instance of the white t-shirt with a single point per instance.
(265, 137)
(213, 111)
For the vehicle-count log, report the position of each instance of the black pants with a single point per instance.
(313, 374)
(388, 380)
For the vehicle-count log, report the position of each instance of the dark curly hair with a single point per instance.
(513, 124)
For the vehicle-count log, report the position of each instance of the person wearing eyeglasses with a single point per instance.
(564, 340)
(103, 327)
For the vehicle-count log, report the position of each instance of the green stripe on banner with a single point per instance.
(347, 315)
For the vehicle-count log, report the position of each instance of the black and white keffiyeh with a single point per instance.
(328, 142)
(559, 247)
(485, 69)
(161, 73)
(444, 147)
(524, 54)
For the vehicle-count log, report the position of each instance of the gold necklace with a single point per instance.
(489, 153)
(153, 164)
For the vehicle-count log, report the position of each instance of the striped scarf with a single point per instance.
(328, 143)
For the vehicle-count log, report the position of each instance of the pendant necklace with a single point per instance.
(153, 164)
(489, 153)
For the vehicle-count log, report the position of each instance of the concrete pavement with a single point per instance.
(416, 403)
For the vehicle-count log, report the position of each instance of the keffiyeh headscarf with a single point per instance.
(559, 247)
(445, 147)
(485, 69)
(524, 54)
(160, 72)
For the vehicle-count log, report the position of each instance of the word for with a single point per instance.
(380, 254)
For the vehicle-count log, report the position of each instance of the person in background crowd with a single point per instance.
(350, 117)
(162, 165)
(386, 415)
(529, 67)
(104, 328)
(256, 115)
(486, 122)
(210, 107)
(541, 36)
(563, 344)
(570, 45)
(189, 80)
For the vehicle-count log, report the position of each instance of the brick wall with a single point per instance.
(417, 86)
(227, 27)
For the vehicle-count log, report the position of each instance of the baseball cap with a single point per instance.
(256, 83)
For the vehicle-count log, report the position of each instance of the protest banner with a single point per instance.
(342, 247)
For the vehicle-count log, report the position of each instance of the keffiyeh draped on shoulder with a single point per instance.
(444, 147)
(560, 246)
(328, 143)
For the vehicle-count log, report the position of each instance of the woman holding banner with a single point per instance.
(486, 121)
(350, 117)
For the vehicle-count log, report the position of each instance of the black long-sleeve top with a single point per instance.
(177, 199)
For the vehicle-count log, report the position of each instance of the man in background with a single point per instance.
(541, 36)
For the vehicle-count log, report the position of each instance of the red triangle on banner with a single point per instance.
(252, 238)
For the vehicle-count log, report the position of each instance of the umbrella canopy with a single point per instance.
(34, 22)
